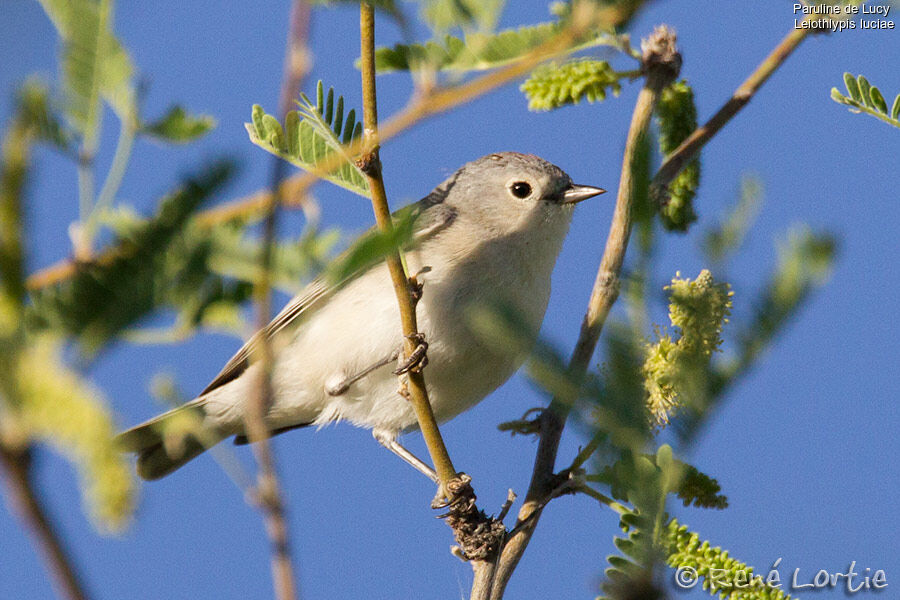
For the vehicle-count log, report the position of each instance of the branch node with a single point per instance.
(479, 537)
(660, 56)
(370, 163)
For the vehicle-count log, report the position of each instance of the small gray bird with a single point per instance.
(487, 236)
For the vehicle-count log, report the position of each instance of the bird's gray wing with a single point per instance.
(432, 218)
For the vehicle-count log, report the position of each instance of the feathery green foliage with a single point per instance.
(554, 85)
(677, 119)
(480, 51)
(700, 490)
(686, 481)
(311, 136)
(645, 481)
(104, 297)
(864, 97)
(723, 575)
(35, 102)
(674, 370)
(178, 127)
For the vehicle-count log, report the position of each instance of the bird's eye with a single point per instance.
(520, 189)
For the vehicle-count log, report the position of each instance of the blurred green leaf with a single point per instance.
(94, 63)
(16, 152)
(805, 261)
(177, 126)
(373, 247)
(35, 102)
(444, 15)
(728, 235)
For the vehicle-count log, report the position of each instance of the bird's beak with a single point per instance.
(577, 193)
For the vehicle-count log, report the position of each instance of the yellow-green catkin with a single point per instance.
(673, 368)
(61, 409)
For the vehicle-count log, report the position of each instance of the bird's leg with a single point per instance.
(416, 361)
(342, 384)
(391, 443)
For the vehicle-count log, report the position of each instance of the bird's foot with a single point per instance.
(416, 361)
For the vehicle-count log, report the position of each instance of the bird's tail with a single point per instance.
(167, 442)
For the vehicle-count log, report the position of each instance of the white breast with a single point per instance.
(360, 325)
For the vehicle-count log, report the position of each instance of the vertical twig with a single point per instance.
(17, 465)
(661, 63)
(268, 487)
(371, 166)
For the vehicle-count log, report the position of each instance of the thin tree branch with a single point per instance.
(269, 495)
(17, 465)
(371, 166)
(661, 64)
(686, 151)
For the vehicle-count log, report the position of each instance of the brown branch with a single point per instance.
(269, 497)
(371, 166)
(686, 151)
(17, 465)
(661, 64)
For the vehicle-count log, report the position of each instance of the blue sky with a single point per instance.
(804, 446)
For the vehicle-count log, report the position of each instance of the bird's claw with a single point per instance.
(417, 360)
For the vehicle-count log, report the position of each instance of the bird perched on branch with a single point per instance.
(487, 237)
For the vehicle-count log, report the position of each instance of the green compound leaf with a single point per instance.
(311, 136)
(481, 51)
(554, 85)
(178, 127)
(677, 118)
(723, 576)
(863, 97)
